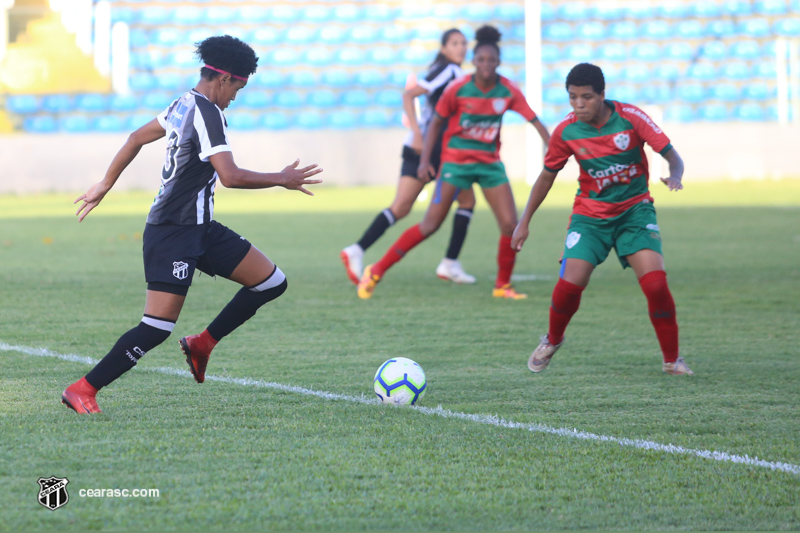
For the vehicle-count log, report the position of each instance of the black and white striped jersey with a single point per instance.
(196, 130)
(434, 81)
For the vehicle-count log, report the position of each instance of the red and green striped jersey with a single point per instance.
(614, 174)
(475, 117)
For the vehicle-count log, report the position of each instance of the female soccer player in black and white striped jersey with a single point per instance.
(181, 235)
(444, 69)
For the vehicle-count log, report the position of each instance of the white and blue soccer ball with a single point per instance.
(400, 381)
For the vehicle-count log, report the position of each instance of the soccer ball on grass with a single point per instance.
(400, 381)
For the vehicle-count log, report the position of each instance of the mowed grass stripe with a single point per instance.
(444, 413)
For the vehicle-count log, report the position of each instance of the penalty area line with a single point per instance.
(444, 413)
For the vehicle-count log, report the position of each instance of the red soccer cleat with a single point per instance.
(197, 352)
(80, 397)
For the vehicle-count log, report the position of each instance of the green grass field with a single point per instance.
(232, 454)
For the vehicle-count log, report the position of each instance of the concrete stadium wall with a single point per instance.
(70, 163)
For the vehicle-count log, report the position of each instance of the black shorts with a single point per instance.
(172, 252)
(411, 160)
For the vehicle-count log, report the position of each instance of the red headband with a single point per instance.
(225, 72)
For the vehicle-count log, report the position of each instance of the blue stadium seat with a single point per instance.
(765, 70)
(122, 103)
(444, 12)
(414, 11)
(108, 124)
(614, 52)
(347, 13)
(376, 118)
(657, 29)
(280, 57)
(714, 50)
(126, 15)
(612, 73)
(513, 118)
(591, 31)
(787, 27)
(750, 111)
(381, 55)
(370, 78)
(647, 52)
(342, 119)
(754, 28)
(138, 38)
(517, 32)
(554, 95)
(266, 36)
(375, 12)
(398, 78)
(332, 35)
(336, 78)
(157, 101)
(714, 112)
(468, 32)
(253, 14)
(41, 124)
(427, 32)
(170, 81)
(794, 6)
(154, 16)
(91, 102)
(363, 35)
(317, 56)
(771, 7)
(254, 99)
(299, 35)
(477, 12)
(639, 11)
(187, 16)
(268, 79)
(23, 104)
(510, 12)
(242, 121)
(74, 124)
(58, 103)
(136, 121)
(759, 91)
(548, 13)
(679, 50)
(623, 30)
(578, 53)
(513, 54)
(199, 33)
(738, 8)
(745, 50)
(720, 28)
(284, 14)
(606, 11)
(702, 71)
(691, 92)
(218, 15)
(690, 29)
(317, 14)
(735, 70)
(624, 92)
(669, 72)
(557, 31)
(673, 10)
(184, 59)
(303, 78)
(679, 113)
(309, 120)
(393, 34)
(550, 53)
(655, 93)
(573, 11)
(290, 99)
(415, 56)
(356, 98)
(323, 98)
(389, 98)
(275, 121)
(726, 92)
(636, 73)
(705, 9)
(142, 81)
(166, 37)
(350, 55)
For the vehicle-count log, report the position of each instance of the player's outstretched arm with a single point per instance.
(538, 193)
(152, 131)
(291, 177)
(673, 181)
(425, 171)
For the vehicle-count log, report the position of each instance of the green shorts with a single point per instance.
(591, 239)
(487, 175)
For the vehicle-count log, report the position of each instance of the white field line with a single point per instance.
(444, 413)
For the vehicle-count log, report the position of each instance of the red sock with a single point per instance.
(565, 302)
(506, 256)
(661, 308)
(408, 240)
(208, 340)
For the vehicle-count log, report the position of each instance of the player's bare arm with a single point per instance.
(152, 131)
(408, 106)
(292, 177)
(542, 130)
(425, 172)
(673, 181)
(538, 193)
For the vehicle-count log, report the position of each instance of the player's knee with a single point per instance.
(272, 287)
(401, 209)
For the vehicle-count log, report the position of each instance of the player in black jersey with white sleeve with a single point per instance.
(181, 235)
(445, 68)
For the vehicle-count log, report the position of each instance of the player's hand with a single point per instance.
(674, 184)
(519, 237)
(295, 177)
(417, 142)
(425, 172)
(90, 199)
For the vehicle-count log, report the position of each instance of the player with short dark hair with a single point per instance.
(445, 68)
(474, 106)
(181, 235)
(613, 209)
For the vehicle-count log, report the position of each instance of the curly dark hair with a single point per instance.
(226, 53)
(487, 36)
(584, 74)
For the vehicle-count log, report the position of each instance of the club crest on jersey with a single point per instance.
(623, 140)
(180, 269)
(572, 239)
(53, 492)
(499, 105)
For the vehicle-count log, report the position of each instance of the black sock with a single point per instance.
(381, 223)
(460, 224)
(150, 332)
(245, 304)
